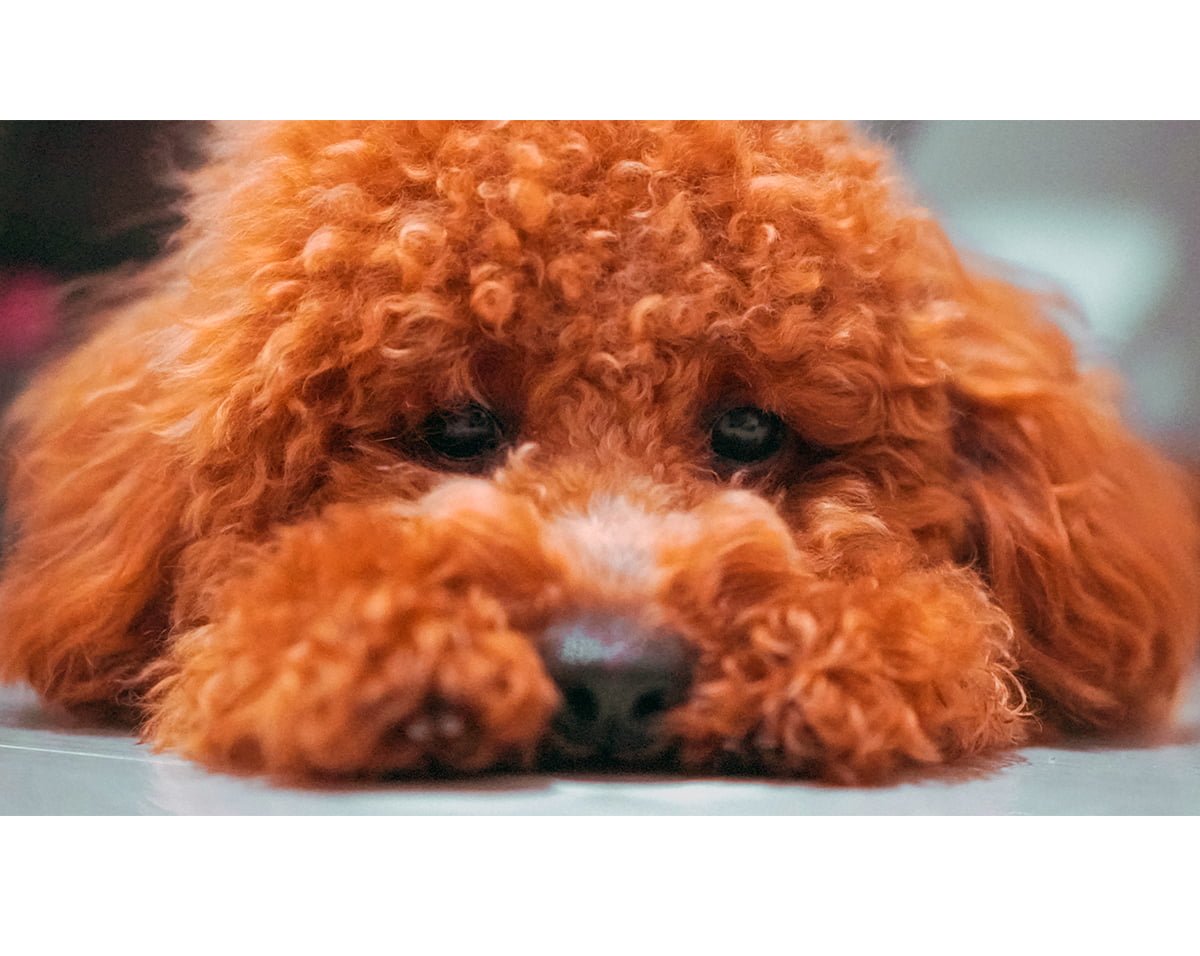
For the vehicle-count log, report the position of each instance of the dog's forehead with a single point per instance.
(668, 227)
(670, 250)
(636, 232)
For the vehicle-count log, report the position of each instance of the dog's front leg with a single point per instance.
(841, 674)
(369, 640)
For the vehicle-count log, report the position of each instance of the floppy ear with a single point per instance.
(91, 523)
(1087, 536)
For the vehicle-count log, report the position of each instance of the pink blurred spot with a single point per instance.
(28, 314)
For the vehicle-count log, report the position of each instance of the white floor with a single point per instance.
(48, 766)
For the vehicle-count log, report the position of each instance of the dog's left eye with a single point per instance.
(463, 433)
(747, 434)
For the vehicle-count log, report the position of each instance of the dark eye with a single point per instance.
(462, 433)
(747, 434)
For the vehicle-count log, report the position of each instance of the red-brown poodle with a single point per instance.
(461, 446)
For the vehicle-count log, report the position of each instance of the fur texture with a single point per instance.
(223, 520)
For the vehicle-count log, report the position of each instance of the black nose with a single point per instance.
(617, 680)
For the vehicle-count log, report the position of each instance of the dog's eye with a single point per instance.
(747, 434)
(462, 433)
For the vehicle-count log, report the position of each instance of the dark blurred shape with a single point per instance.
(78, 198)
(83, 197)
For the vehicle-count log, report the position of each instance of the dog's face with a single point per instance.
(617, 325)
(682, 308)
(460, 443)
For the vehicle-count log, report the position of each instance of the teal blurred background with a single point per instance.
(1107, 213)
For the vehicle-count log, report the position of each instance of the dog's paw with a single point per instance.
(335, 654)
(857, 682)
(383, 680)
(460, 694)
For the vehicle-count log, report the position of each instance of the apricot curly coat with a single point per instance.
(221, 517)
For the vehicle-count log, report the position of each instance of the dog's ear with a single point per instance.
(1087, 537)
(91, 525)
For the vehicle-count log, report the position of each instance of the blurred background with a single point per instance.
(1105, 212)
(77, 199)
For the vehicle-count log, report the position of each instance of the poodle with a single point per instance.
(450, 447)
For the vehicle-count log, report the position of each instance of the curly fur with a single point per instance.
(219, 520)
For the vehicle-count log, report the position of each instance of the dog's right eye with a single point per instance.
(463, 433)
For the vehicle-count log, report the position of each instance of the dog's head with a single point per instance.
(738, 349)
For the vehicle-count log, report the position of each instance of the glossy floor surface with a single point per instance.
(50, 766)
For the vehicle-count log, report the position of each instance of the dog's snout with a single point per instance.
(617, 679)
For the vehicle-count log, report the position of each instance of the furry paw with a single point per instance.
(332, 655)
(857, 682)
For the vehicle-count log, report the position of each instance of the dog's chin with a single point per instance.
(559, 754)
